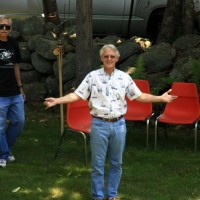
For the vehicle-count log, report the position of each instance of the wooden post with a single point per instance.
(59, 53)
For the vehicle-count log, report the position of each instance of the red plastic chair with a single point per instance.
(138, 111)
(184, 110)
(78, 120)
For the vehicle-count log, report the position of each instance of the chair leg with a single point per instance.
(61, 140)
(59, 144)
(85, 146)
(156, 133)
(148, 133)
(195, 136)
(148, 120)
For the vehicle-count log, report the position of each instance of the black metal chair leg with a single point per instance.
(59, 145)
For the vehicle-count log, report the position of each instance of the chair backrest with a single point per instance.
(137, 110)
(187, 103)
(78, 116)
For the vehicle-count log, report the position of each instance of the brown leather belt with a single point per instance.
(109, 119)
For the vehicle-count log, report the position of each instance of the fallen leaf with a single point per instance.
(16, 189)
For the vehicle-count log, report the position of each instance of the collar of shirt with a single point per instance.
(105, 73)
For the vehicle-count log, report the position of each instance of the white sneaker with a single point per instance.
(2, 163)
(11, 158)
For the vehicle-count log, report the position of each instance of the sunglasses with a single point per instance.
(109, 56)
(7, 27)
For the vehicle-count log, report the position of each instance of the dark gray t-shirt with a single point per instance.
(9, 55)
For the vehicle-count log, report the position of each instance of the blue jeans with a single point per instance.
(106, 138)
(11, 109)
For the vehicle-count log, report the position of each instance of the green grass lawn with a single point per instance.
(170, 173)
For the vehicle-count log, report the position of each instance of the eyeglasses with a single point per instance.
(109, 56)
(7, 27)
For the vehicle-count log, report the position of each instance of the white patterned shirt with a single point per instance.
(107, 93)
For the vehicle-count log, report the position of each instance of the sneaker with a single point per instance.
(2, 163)
(11, 158)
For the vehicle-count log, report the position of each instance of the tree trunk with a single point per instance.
(51, 11)
(84, 39)
(170, 21)
(188, 16)
(178, 20)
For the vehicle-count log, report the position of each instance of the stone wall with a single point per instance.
(39, 67)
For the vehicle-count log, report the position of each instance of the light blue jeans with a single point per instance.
(106, 138)
(11, 109)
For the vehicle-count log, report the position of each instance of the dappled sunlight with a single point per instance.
(119, 41)
(73, 36)
(72, 173)
(63, 192)
(76, 195)
(144, 43)
(82, 169)
(77, 169)
(27, 191)
(22, 191)
(60, 181)
(56, 192)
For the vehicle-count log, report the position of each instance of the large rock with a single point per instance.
(41, 64)
(26, 66)
(35, 92)
(129, 62)
(45, 47)
(25, 53)
(32, 43)
(186, 42)
(180, 71)
(159, 58)
(128, 49)
(30, 27)
(30, 76)
(51, 87)
(68, 68)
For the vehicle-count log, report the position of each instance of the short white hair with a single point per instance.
(109, 46)
(2, 17)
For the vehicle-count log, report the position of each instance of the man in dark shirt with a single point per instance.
(11, 93)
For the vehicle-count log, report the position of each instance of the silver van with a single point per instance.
(121, 17)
